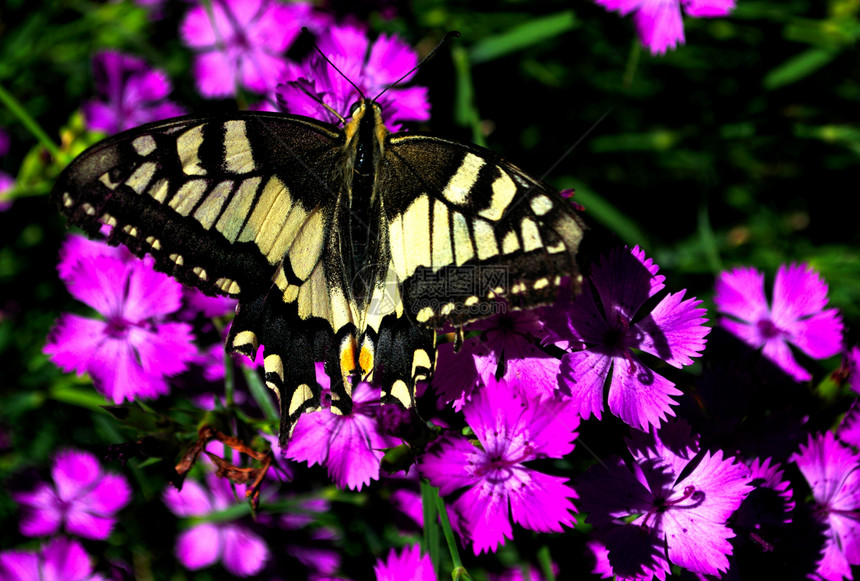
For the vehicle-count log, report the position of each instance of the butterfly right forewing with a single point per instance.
(467, 229)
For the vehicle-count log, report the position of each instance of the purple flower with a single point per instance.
(508, 343)
(242, 552)
(797, 317)
(6, 180)
(6, 184)
(4, 142)
(659, 22)
(349, 446)
(409, 564)
(521, 574)
(671, 331)
(761, 521)
(208, 307)
(387, 60)
(658, 510)
(849, 427)
(82, 497)
(130, 93)
(833, 473)
(241, 43)
(852, 367)
(512, 428)
(77, 248)
(60, 559)
(130, 353)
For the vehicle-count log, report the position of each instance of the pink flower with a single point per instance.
(797, 316)
(241, 43)
(83, 498)
(243, 552)
(387, 60)
(512, 429)
(672, 330)
(409, 564)
(508, 342)
(656, 510)
(833, 473)
(130, 93)
(59, 560)
(131, 351)
(350, 446)
(659, 22)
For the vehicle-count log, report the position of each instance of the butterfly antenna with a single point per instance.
(301, 85)
(448, 36)
(348, 80)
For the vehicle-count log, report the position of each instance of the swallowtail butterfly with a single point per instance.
(350, 246)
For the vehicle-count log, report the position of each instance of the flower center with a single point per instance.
(768, 329)
(615, 335)
(500, 463)
(117, 328)
(661, 504)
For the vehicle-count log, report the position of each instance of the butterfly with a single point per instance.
(351, 246)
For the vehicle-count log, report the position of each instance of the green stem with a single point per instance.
(32, 126)
(260, 394)
(544, 559)
(431, 526)
(465, 110)
(632, 63)
(459, 571)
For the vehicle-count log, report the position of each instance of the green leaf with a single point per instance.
(261, 395)
(798, 67)
(535, 31)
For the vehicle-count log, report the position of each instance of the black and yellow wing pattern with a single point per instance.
(349, 246)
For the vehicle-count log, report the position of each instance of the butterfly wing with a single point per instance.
(241, 206)
(468, 236)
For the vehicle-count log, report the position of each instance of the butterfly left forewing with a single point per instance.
(216, 201)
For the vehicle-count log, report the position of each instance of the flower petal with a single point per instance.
(583, 374)
(192, 500)
(73, 341)
(65, 560)
(41, 511)
(740, 293)
(660, 25)
(674, 330)
(199, 546)
(540, 502)
(708, 8)
(245, 553)
(625, 280)
(640, 396)
(74, 470)
(484, 517)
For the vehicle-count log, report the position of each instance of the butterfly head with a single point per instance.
(366, 133)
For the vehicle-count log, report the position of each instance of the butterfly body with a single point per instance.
(349, 246)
